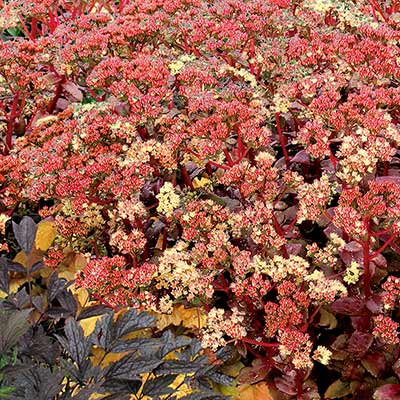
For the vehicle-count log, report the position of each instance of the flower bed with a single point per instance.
(235, 157)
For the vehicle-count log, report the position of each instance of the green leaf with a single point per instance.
(338, 389)
(6, 391)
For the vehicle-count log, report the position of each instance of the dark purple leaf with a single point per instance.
(93, 311)
(55, 286)
(75, 342)
(380, 261)
(386, 179)
(286, 386)
(253, 374)
(349, 306)
(158, 386)
(331, 228)
(85, 393)
(37, 267)
(361, 323)
(68, 301)
(396, 367)
(25, 233)
(337, 390)
(294, 248)
(58, 312)
(360, 342)
(39, 383)
(39, 346)
(12, 326)
(6, 264)
(131, 366)
(132, 321)
(302, 157)
(73, 90)
(352, 251)
(4, 279)
(374, 304)
(374, 363)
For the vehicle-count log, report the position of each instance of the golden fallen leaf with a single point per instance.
(88, 324)
(35, 256)
(193, 318)
(45, 235)
(16, 283)
(260, 391)
(99, 357)
(199, 183)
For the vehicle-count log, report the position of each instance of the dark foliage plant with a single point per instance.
(45, 355)
(51, 359)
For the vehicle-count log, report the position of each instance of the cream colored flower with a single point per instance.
(322, 355)
(168, 199)
(3, 219)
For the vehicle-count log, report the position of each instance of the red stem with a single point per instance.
(228, 158)
(383, 247)
(385, 168)
(251, 54)
(186, 177)
(52, 105)
(102, 301)
(376, 7)
(366, 262)
(382, 232)
(215, 164)
(332, 158)
(281, 233)
(10, 125)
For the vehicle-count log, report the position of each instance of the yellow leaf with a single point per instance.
(73, 263)
(81, 294)
(181, 390)
(16, 283)
(160, 242)
(327, 319)
(98, 357)
(97, 396)
(20, 258)
(88, 324)
(227, 390)
(68, 275)
(199, 183)
(194, 318)
(259, 391)
(45, 235)
(34, 257)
